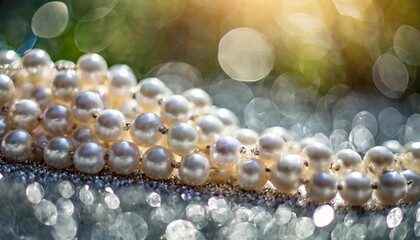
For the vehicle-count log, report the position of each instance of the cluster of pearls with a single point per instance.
(84, 116)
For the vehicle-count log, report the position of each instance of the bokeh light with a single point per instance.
(50, 20)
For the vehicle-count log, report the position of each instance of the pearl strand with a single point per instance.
(180, 135)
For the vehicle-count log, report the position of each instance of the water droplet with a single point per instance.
(46, 212)
(394, 217)
(153, 199)
(66, 189)
(323, 215)
(34, 192)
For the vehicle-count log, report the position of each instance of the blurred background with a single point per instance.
(317, 63)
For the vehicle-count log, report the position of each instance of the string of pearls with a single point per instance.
(84, 115)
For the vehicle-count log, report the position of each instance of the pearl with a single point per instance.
(56, 153)
(393, 145)
(156, 163)
(221, 175)
(225, 152)
(124, 157)
(92, 71)
(281, 132)
(9, 58)
(286, 173)
(411, 159)
(64, 87)
(182, 139)
(38, 68)
(200, 99)
(247, 137)
(250, 174)
(318, 156)
(42, 96)
(392, 187)
(356, 189)
(322, 187)
(346, 161)
(83, 134)
(175, 109)
(7, 90)
(130, 110)
(24, 114)
(109, 125)
(269, 146)
(149, 92)
(209, 129)
(57, 120)
(84, 104)
(89, 158)
(144, 129)
(194, 169)
(121, 85)
(228, 118)
(36, 58)
(378, 159)
(17, 146)
(413, 191)
(4, 126)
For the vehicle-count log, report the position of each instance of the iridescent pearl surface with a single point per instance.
(269, 146)
(57, 153)
(84, 104)
(149, 92)
(16, 146)
(250, 174)
(391, 188)
(57, 120)
(175, 109)
(209, 129)
(286, 173)
(413, 182)
(356, 189)
(247, 137)
(194, 169)
(7, 90)
(346, 161)
(378, 159)
(200, 99)
(322, 187)
(89, 158)
(24, 114)
(182, 139)
(64, 87)
(124, 157)
(109, 125)
(144, 129)
(225, 152)
(318, 156)
(156, 163)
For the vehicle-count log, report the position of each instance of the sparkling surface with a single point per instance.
(34, 192)
(153, 199)
(323, 215)
(394, 217)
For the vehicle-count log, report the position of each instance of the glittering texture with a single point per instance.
(47, 204)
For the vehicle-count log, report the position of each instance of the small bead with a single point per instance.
(209, 129)
(318, 156)
(182, 139)
(7, 90)
(124, 157)
(89, 158)
(64, 87)
(84, 104)
(392, 187)
(270, 146)
(109, 125)
(250, 174)
(247, 137)
(194, 169)
(413, 191)
(81, 135)
(225, 152)
(17, 146)
(322, 187)
(285, 173)
(175, 109)
(378, 159)
(156, 163)
(149, 92)
(144, 129)
(24, 114)
(56, 153)
(356, 189)
(57, 120)
(200, 99)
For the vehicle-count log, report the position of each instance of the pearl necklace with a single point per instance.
(93, 123)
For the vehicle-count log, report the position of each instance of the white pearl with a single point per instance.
(194, 169)
(89, 158)
(346, 161)
(378, 159)
(318, 156)
(156, 163)
(17, 146)
(42, 96)
(84, 104)
(356, 189)
(411, 158)
(413, 191)
(182, 139)
(56, 153)
(130, 109)
(250, 174)
(36, 58)
(286, 173)
(9, 58)
(175, 109)
(270, 146)
(92, 71)
(121, 85)
(392, 187)
(150, 91)
(281, 132)
(322, 187)
(225, 152)
(144, 129)
(109, 125)
(247, 137)
(209, 129)
(7, 90)
(393, 145)
(228, 118)
(38, 68)
(200, 99)
(83, 134)
(24, 114)
(64, 87)
(57, 120)
(124, 157)
(4, 126)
